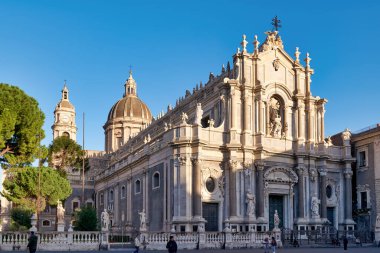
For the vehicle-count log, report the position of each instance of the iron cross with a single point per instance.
(276, 23)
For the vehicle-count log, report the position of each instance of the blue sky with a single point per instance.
(172, 45)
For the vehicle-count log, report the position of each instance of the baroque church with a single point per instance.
(231, 153)
(247, 144)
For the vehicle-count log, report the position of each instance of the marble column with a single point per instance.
(232, 188)
(323, 175)
(260, 189)
(196, 183)
(301, 193)
(348, 193)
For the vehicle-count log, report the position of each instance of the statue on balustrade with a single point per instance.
(315, 206)
(142, 219)
(105, 219)
(60, 213)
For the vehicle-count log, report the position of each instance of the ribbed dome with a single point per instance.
(65, 104)
(130, 106)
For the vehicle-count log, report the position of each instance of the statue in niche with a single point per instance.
(250, 200)
(275, 117)
(315, 206)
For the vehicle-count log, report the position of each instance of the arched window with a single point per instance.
(66, 134)
(101, 199)
(137, 186)
(75, 204)
(156, 180)
(123, 192)
(111, 195)
(46, 223)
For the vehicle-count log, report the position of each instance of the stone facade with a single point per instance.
(232, 152)
(366, 149)
(231, 155)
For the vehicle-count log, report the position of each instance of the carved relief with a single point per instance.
(276, 64)
(217, 175)
(280, 175)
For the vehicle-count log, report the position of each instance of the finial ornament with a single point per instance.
(297, 55)
(256, 45)
(238, 50)
(276, 23)
(244, 43)
(307, 60)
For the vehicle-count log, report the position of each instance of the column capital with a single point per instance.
(195, 160)
(322, 172)
(182, 160)
(260, 165)
(301, 170)
(247, 164)
(348, 173)
(233, 164)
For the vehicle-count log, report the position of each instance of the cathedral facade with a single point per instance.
(231, 153)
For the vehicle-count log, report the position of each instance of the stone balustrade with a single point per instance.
(51, 241)
(80, 241)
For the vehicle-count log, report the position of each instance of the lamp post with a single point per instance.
(39, 182)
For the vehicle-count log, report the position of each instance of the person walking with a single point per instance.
(266, 245)
(273, 244)
(32, 242)
(345, 243)
(171, 245)
(137, 244)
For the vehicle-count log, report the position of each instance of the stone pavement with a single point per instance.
(284, 250)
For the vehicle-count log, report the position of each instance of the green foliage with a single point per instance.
(21, 219)
(64, 152)
(85, 219)
(21, 122)
(21, 187)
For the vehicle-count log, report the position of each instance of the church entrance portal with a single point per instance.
(331, 215)
(276, 202)
(211, 215)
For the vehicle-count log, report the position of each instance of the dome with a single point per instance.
(65, 104)
(127, 117)
(130, 106)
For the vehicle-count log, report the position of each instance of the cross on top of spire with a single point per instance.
(276, 23)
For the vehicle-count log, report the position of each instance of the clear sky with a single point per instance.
(172, 45)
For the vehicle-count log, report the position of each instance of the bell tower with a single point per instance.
(64, 117)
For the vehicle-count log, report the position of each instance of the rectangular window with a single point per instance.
(75, 205)
(362, 159)
(363, 196)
